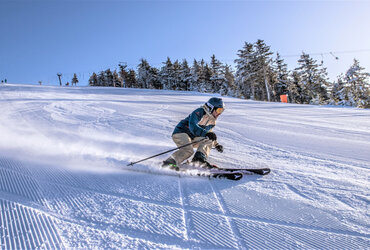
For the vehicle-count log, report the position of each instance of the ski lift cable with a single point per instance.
(330, 53)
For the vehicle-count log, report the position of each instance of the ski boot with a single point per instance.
(200, 160)
(171, 164)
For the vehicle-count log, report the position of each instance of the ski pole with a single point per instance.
(150, 157)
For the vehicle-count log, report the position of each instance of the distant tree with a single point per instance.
(185, 76)
(280, 84)
(228, 86)
(74, 79)
(217, 78)
(246, 71)
(123, 74)
(108, 78)
(130, 80)
(93, 80)
(339, 93)
(357, 85)
(166, 74)
(207, 75)
(202, 77)
(314, 80)
(101, 79)
(195, 72)
(263, 63)
(294, 89)
(143, 74)
(117, 81)
(177, 83)
(154, 81)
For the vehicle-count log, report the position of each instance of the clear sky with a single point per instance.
(40, 38)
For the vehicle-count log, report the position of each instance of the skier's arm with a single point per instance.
(195, 129)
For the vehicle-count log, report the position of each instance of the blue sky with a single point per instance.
(40, 38)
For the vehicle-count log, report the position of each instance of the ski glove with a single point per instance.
(212, 136)
(220, 148)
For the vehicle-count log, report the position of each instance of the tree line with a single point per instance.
(259, 74)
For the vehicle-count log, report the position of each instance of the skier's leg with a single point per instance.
(204, 146)
(203, 151)
(183, 153)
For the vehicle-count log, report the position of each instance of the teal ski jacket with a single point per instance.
(197, 124)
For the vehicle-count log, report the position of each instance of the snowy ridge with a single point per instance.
(64, 181)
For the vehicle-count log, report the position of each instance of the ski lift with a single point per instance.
(59, 76)
(336, 58)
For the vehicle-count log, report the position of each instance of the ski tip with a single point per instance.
(229, 176)
(237, 177)
(265, 171)
(259, 171)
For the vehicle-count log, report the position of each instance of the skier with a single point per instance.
(195, 127)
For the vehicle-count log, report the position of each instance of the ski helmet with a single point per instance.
(215, 103)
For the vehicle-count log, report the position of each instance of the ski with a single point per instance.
(259, 171)
(235, 176)
(205, 172)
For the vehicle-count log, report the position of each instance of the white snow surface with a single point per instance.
(64, 182)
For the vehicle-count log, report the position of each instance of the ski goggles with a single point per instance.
(219, 110)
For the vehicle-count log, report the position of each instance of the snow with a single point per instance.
(64, 182)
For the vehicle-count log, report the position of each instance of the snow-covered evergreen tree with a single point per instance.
(117, 82)
(272, 80)
(228, 86)
(177, 83)
(264, 60)
(339, 92)
(154, 81)
(74, 79)
(123, 75)
(314, 80)
(295, 89)
(202, 78)
(144, 74)
(217, 78)
(113, 79)
(201, 75)
(108, 78)
(130, 81)
(101, 79)
(358, 85)
(93, 80)
(166, 75)
(253, 71)
(185, 76)
(280, 86)
(245, 71)
(195, 72)
(207, 75)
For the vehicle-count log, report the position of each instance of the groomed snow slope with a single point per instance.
(64, 181)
